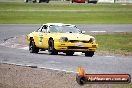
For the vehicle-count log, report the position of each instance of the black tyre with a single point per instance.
(69, 53)
(94, 2)
(32, 47)
(51, 48)
(81, 80)
(89, 54)
(39, 1)
(47, 1)
(26, 1)
(34, 1)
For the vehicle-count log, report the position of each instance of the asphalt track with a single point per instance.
(95, 64)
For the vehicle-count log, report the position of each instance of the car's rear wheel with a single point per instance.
(89, 54)
(51, 48)
(32, 47)
(69, 53)
(47, 1)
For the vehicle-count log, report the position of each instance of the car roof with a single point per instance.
(59, 24)
(53, 24)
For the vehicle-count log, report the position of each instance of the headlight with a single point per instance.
(63, 39)
(94, 40)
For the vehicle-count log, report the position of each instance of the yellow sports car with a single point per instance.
(59, 37)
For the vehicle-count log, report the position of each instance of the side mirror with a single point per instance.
(83, 32)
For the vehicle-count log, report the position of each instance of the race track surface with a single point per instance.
(95, 64)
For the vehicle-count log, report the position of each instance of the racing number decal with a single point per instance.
(41, 39)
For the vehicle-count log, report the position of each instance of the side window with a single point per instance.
(44, 28)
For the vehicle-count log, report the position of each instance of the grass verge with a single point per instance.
(117, 43)
(22, 13)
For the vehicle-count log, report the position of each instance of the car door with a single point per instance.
(42, 37)
(36, 36)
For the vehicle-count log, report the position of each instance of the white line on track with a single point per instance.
(32, 66)
(97, 31)
(109, 56)
(24, 48)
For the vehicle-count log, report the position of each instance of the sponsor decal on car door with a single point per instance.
(41, 39)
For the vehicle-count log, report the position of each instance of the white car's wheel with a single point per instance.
(47, 1)
(26, 1)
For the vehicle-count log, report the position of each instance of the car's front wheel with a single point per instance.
(51, 48)
(89, 54)
(32, 47)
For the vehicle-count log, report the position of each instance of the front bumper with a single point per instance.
(76, 47)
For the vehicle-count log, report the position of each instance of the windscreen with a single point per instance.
(64, 29)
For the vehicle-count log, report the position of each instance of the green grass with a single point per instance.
(120, 43)
(22, 13)
(65, 17)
